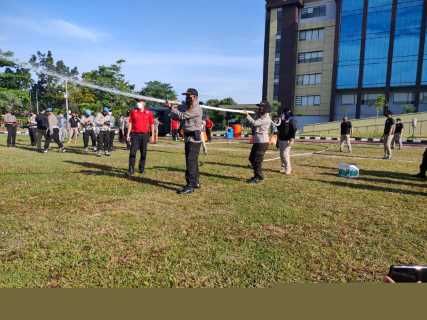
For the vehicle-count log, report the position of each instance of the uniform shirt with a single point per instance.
(62, 122)
(141, 121)
(88, 122)
(9, 118)
(261, 127)
(346, 127)
(399, 128)
(388, 126)
(192, 118)
(103, 122)
(32, 123)
(74, 122)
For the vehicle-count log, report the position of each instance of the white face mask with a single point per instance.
(140, 106)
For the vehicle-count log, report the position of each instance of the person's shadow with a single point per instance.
(205, 174)
(105, 170)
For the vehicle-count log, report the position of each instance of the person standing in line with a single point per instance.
(42, 127)
(204, 138)
(74, 123)
(141, 124)
(175, 124)
(88, 124)
(397, 139)
(122, 136)
(32, 129)
(192, 118)
(103, 123)
(156, 129)
(389, 129)
(125, 129)
(287, 130)
(423, 167)
(62, 124)
(52, 132)
(346, 133)
(112, 131)
(261, 126)
(209, 127)
(11, 125)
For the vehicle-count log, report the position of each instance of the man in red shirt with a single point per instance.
(209, 126)
(175, 124)
(141, 123)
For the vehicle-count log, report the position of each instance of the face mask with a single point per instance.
(140, 106)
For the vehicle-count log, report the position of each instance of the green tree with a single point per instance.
(409, 108)
(379, 104)
(157, 89)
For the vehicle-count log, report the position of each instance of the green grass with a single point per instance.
(72, 220)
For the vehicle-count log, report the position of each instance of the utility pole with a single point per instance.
(66, 97)
(37, 99)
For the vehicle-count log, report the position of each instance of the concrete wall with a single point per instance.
(272, 54)
(371, 127)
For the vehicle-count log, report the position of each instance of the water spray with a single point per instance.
(84, 83)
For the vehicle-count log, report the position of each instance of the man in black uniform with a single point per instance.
(423, 167)
(388, 135)
(193, 124)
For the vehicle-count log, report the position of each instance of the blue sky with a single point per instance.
(215, 46)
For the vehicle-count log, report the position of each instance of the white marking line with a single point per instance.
(308, 154)
(363, 158)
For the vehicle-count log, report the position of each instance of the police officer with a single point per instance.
(103, 123)
(11, 126)
(88, 124)
(52, 132)
(261, 126)
(32, 128)
(193, 123)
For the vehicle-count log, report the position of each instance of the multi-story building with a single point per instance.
(330, 58)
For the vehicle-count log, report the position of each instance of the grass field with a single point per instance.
(73, 220)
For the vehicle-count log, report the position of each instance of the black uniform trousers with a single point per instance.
(256, 158)
(192, 151)
(89, 134)
(33, 136)
(104, 138)
(209, 134)
(11, 135)
(54, 135)
(423, 167)
(138, 141)
(112, 136)
(126, 138)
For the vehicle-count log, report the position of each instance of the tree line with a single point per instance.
(22, 90)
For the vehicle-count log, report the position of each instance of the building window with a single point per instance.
(423, 97)
(313, 12)
(276, 91)
(311, 35)
(309, 79)
(307, 101)
(308, 57)
(370, 98)
(277, 70)
(348, 99)
(403, 98)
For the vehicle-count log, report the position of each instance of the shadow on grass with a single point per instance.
(104, 170)
(233, 165)
(382, 180)
(368, 187)
(205, 174)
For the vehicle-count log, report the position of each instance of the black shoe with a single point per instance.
(254, 180)
(130, 172)
(186, 190)
(421, 176)
(141, 171)
(197, 186)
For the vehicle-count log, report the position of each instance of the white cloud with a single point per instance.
(53, 27)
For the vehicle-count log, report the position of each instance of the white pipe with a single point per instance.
(86, 84)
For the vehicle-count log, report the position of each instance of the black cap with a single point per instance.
(265, 105)
(191, 92)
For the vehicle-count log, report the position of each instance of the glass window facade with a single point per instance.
(406, 42)
(378, 27)
(307, 101)
(424, 76)
(312, 35)
(309, 57)
(350, 44)
(313, 12)
(309, 79)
